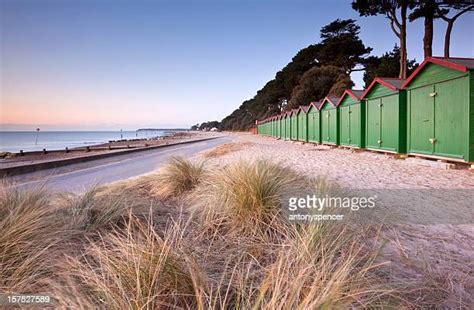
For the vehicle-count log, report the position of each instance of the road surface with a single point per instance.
(79, 177)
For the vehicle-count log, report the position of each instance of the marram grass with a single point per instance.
(121, 248)
(179, 175)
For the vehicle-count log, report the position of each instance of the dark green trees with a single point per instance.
(332, 60)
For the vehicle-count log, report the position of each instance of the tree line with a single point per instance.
(325, 67)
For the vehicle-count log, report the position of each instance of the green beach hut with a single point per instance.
(302, 123)
(385, 128)
(440, 109)
(272, 126)
(351, 119)
(288, 126)
(277, 126)
(314, 122)
(280, 126)
(329, 120)
(265, 127)
(294, 124)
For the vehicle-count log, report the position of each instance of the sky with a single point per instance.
(109, 65)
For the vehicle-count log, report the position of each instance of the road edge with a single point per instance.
(27, 168)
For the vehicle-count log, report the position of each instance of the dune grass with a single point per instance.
(246, 197)
(177, 176)
(121, 247)
(132, 268)
(322, 266)
(30, 235)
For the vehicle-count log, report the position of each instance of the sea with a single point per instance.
(14, 141)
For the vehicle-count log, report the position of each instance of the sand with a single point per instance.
(429, 211)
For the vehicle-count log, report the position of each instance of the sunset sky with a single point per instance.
(106, 65)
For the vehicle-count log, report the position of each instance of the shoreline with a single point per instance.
(82, 145)
(103, 149)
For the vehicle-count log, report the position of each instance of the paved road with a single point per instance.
(79, 177)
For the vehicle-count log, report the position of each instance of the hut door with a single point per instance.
(374, 123)
(294, 127)
(355, 125)
(345, 125)
(333, 125)
(306, 126)
(315, 130)
(325, 131)
(311, 127)
(422, 120)
(450, 107)
(389, 135)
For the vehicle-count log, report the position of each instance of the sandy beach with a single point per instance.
(218, 218)
(435, 237)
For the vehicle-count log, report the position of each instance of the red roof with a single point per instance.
(391, 83)
(356, 94)
(315, 104)
(303, 108)
(331, 99)
(294, 111)
(459, 64)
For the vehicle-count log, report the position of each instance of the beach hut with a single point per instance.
(288, 126)
(302, 123)
(265, 127)
(260, 125)
(351, 119)
(294, 124)
(314, 122)
(272, 126)
(277, 126)
(269, 127)
(282, 126)
(329, 120)
(440, 108)
(385, 105)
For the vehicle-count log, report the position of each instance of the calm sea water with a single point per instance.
(14, 141)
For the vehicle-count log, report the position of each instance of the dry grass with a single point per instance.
(177, 176)
(132, 268)
(321, 266)
(246, 197)
(31, 234)
(100, 207)
(226, 149)
(121, 247)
